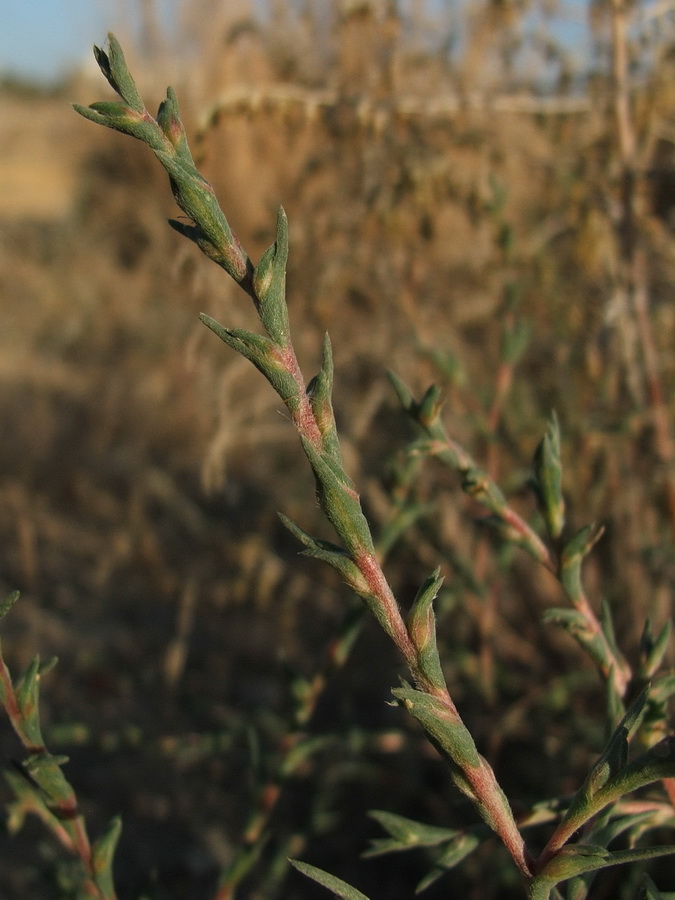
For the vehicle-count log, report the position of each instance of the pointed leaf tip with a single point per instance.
(338, 887)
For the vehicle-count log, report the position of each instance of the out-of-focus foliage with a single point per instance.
(433, 222)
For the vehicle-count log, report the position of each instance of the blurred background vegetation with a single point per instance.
(472, 202)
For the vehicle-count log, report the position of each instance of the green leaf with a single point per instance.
(422, 630)
(582, 630)
(338, 887)
(263, 353)
(319, 391)
(114, 67)
(443, 724)
(653, 650)
(195, 196)
(103, 853)
(663, 688)
(121, 118)
(335, 556)
(575, 623)
(580, 859)
(456, 851)
(339, 501)
(611, 764)
(451, 846)
(656, 763)
(28, 799)
(572, 861)
(27, 694)
(548, 472)
(609, 634)
(451, 736)
(608, 828)
(427, 412)
(45, 770)
(303, 751)
(269, 285)
(574, 553)
(478, 484)
(403, 393)
(168, 119)
(406, 834)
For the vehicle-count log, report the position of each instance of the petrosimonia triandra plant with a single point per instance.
(426, 696)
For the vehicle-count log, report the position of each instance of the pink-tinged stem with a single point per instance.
(619, 671)
(482, 778)
(535, 543)
(374, 576)
(486, 789)
(300, 409)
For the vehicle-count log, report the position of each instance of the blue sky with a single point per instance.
(39, 39)
(42, 39)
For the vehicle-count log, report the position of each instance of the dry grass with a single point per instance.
(136, 483)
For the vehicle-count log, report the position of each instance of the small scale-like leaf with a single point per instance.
(269, 284)
(518, 534)
(427, 411)
(610, 636)
(405, 398)
(114, 67)
(451, 736)
(656, 763)
(168, 119)
(456, 851)
(571, 620)
(406, 834)
(27, 694)
(653, 650)
(45, 770)
(572, 861)
(609, 766)
(335, 556)
(103, 852)
(422, 630)
(303, 751)
(338, 887)
(663, 688)
(28, 800)
(442, 724)
(481, 487)
(120, 117)
(319, 391)
(339, 502)
(429, 408)
(590, 638)
(262, 352)
(195, 196)
(607, 828)
(573, 555)
(548, 471)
